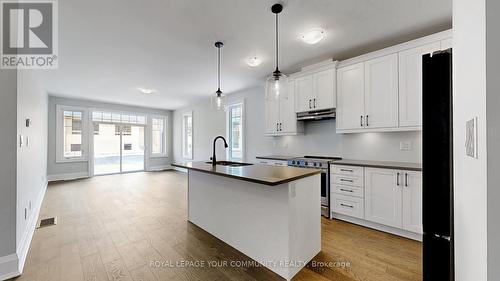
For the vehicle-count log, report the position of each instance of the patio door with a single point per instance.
(118, 148)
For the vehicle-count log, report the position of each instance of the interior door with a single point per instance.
(132, 148)
(350, 96)
(381, 92)
(410, 84)
(323, 85)
(304, 93)
(383, 196)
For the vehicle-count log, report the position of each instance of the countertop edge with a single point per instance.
(312, 173)
(382, 166)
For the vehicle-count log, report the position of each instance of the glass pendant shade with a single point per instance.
(219, 101)
(277, 86)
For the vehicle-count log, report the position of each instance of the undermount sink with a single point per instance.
(230, 164)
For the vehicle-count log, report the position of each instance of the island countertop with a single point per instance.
(257, 173)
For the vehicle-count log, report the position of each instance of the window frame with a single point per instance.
(229, 132)
(60, 158)
(164, 149)
(183, 136)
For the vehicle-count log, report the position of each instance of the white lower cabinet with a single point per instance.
(272, 162)
(386, 199)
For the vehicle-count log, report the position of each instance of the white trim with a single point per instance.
(243, 128)
(68, 176)
(447, 34)
(9, 266)
(160, 168)
(60, 133)
(24, 244)
(187, 157)
(380, 227)
(164, 153)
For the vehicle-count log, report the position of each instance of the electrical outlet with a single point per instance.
(405, 145)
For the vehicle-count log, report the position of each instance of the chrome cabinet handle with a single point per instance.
(406, 179)
(397, 179)
(361, 121)
(345, 205)
(346, 190)
(346, 180)
(367, 124)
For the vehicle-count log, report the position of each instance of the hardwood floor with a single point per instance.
(128, 227)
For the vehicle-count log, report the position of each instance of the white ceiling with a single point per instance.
(109, 49)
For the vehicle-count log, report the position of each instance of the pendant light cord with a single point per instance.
(277, 43)
(218, 68)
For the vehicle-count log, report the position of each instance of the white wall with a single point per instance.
(493, 134)
(31, 159)
(81, 168)
(8, 109)
(319, 138)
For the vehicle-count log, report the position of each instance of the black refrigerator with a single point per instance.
(437, 166)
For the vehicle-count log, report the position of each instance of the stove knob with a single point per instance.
(315, 164)
(293, 162)
(305, 163)
(321, 164)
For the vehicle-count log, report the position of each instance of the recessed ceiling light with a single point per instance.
(254, 61)
(147, 91)
(313, 36)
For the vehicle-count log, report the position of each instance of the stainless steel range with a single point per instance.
(323, 163)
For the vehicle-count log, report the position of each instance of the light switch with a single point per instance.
(21, 140)
(405, 146)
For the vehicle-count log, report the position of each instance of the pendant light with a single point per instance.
(278, 81)
(219, 100)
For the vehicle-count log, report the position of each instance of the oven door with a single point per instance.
(325, 193)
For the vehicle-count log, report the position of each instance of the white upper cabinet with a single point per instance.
(383, 197)
(280, 114)
(350, 96)
(412, 201)
(304, 93)
(381, 92)
(315, 88)
(324, 89)
(410, 84)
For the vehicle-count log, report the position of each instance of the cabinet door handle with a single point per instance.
(346, 170)
(406, 179)
(367, 124)
(314, 103)
(397, 179)
(281, 126)
(277, 127)
(310, 104)
(361, 121)
(345, 205)
(347, 180)
(346, 190)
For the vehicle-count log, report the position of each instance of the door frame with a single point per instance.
(90, 125)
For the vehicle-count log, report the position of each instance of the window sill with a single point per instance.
(71, 160)
(158, 156)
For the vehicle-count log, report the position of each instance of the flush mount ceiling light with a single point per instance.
(313, 36)
(277, 80)
(219, 99)
(147, 91)
(254, 61)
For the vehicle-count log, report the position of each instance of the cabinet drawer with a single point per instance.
(347, 170)
(348, 190)
(348, 205)
(347, 180)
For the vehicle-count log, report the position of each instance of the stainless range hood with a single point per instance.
(316, 115)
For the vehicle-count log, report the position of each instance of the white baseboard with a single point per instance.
(182, 170)
(9, 267)
(69, 176)
(160, 168)
(377, 226)
(24, 245)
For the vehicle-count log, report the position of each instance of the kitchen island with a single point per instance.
(271, 214)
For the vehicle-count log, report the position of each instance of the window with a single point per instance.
(158, 136)
(235, 121)
(187, 135)
(116, 117)
(70, 130)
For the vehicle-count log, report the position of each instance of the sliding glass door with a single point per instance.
(118, 148)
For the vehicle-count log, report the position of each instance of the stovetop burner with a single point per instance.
(309, 161)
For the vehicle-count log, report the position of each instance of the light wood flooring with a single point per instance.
(113, 227)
